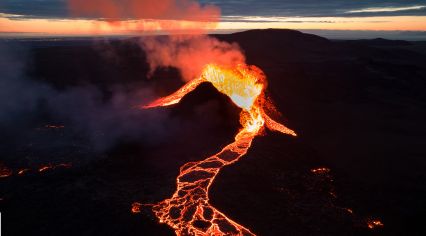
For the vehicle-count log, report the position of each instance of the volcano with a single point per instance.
(244, 85)
(355, 168)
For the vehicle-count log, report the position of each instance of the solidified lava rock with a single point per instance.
(358, 109)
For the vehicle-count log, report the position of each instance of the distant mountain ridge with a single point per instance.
(380, 42)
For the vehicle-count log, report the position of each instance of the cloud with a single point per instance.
(188, 10)
(35, 8)
(290, 8)
(386, 9)
(313, 8)
(273, 19)
(188, 53)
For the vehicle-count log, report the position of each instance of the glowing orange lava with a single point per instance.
(5, 172)
(54, 126)
(321, 170)
(136, 207)
(188, 211)
(52, 167)
(374, 223)
(23, 171)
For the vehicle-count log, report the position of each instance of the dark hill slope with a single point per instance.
(359, 110)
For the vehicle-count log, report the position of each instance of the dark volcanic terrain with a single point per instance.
(358, 106)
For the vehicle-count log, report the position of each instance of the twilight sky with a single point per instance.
(53, 17)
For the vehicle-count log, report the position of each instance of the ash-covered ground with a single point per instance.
(358, 107)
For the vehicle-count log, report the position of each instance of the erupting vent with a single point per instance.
(188, 211)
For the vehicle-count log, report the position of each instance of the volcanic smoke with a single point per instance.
(186, 23)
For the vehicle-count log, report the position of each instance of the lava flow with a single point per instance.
(188, 211)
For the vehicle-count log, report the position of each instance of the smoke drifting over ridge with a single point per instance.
(187, 47)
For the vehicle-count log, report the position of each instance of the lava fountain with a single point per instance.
(188, 211)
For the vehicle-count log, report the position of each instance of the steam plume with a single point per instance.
(188, 52)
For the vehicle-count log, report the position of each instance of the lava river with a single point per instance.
(188, 211)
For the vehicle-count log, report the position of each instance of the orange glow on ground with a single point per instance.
(136, 207)
(54, 126)
(4, 171)
(23, 171)
(322, 170)
(52, 167)
(374, 224)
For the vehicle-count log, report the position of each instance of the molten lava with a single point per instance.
(374, 223)
(321, 171)
(4, 171)
(52, 167)
(54, 126)
(23, 171)
(188, 211)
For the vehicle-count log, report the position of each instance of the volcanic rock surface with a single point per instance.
(358, 107)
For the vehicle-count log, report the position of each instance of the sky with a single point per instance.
(54, 16)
